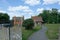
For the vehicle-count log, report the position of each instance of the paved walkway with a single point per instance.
(39, 35)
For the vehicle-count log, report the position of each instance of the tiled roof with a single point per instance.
(36, 18)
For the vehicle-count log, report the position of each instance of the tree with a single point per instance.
(45, 15)
(28, 24)
(4, 18)
(58, 17)
(54, 14)
(50, 16)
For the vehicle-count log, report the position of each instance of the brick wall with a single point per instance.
(18, 20)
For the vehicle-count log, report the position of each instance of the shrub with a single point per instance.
(28, 24)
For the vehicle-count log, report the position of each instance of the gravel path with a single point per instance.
(39, 35)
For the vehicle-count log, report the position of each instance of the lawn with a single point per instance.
(27, 33)
(53, 30)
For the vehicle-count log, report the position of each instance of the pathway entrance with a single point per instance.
(39, 35)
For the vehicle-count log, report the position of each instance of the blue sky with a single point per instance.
(27, 8)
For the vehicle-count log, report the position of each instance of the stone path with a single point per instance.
(39, 35)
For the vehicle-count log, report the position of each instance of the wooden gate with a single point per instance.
(13, 34)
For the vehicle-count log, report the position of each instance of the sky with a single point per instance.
(27, 8)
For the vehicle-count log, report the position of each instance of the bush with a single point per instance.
(28, 24)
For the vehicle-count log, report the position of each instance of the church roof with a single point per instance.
(36, 18)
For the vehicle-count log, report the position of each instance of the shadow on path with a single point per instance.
(39, 35)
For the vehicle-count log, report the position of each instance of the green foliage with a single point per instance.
(50, 16)
(45, 15)
(4, 18)
(28, 24)
(58, 18)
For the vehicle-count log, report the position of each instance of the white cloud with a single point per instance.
(26, 15)
(20, 10)
(50, 1)
(1, 11)
(12, 14)
(24, 9)
(39, 10)
(59, 2)
(32, 2)
(17, 8)
(59, 10)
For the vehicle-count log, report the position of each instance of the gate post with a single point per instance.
(9, 33)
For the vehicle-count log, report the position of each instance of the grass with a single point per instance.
(27, 33)
(53, 30)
